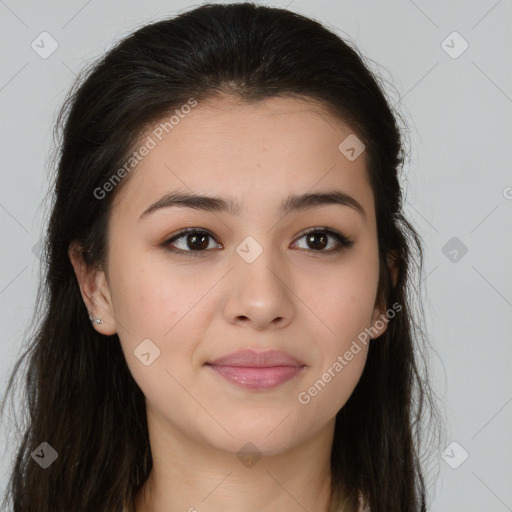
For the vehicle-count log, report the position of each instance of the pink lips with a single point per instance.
(257, 370)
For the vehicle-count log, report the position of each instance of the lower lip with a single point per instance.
(257, 378)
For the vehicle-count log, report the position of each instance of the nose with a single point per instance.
(258, 293)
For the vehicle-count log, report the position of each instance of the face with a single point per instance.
(227, 328)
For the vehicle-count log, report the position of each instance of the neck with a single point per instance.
(189, 476)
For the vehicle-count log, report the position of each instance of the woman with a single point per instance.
(228, 322)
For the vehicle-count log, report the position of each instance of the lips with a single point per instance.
(255, 359)
(257, 370)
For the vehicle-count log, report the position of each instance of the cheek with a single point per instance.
(154, 311)
(150, 298)
(345, 302)
(330, 388)
(344, 297)
(155, 302)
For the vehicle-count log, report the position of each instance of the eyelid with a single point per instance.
(343, 241)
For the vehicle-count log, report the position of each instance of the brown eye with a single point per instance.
(190, 242)
(319, 238)
(197, 242)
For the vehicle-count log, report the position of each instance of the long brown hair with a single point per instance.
(79, 396)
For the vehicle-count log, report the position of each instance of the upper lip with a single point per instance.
(257, 358)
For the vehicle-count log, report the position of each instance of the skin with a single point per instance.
(309, 303)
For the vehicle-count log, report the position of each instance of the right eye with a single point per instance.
(193, 241)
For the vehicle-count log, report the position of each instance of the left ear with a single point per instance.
(379, 319)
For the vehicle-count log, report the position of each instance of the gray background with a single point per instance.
(459, 184)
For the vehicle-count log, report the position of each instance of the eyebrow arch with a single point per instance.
(219, 204)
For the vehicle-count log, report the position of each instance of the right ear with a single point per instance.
(94, 289)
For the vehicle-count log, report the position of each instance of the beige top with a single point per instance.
(339, 505)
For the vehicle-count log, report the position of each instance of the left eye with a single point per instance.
(317, 239)
(195, 241)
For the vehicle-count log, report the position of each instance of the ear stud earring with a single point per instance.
(95, 320)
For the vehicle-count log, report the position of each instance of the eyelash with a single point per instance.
(344, 242)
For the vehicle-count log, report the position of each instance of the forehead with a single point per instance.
(255, 153)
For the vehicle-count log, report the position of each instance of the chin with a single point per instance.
(261, 438)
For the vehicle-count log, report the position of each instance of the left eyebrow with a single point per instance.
(229, 205)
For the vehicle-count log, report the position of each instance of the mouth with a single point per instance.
(255, 370)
